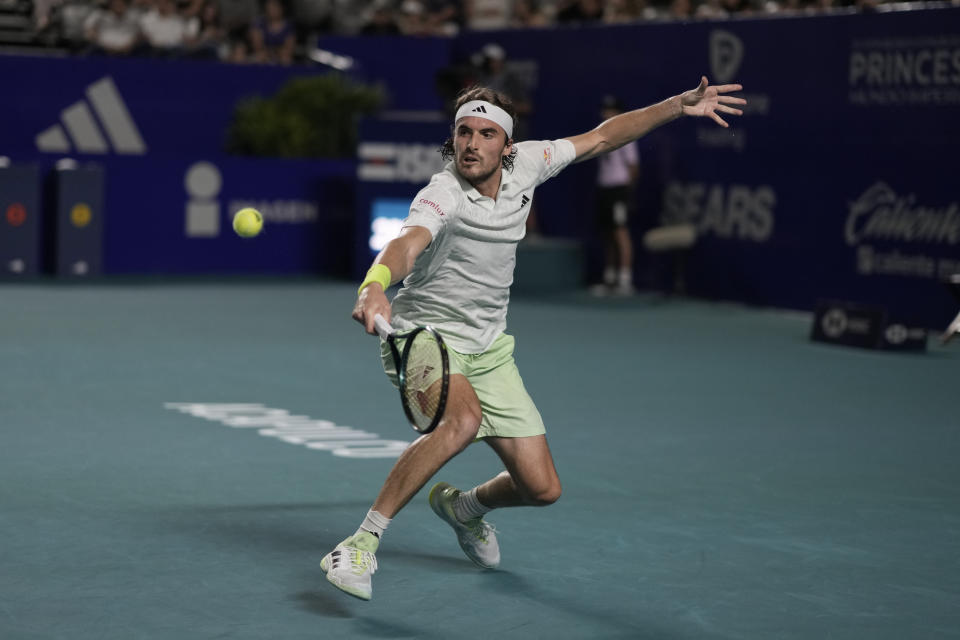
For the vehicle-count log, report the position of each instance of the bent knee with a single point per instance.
(544, 496)
(462, 426)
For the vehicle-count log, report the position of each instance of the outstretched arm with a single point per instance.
(704, 101)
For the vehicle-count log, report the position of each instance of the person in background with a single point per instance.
(617, 174)
(530, 14)
(442, 17)
(113, 31)
(577, 12)
(211, 39)
(272, 37)
(488, 15)
(166, 30)
(236, 18)
(382, 20)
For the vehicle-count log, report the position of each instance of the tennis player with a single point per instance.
(455, 255)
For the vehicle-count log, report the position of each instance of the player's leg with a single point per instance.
(352, 563)
(530, 478)
(428, 453)
(512, 425)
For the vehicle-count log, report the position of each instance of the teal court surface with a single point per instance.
(176, 458)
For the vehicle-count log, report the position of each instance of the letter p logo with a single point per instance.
(726, 54)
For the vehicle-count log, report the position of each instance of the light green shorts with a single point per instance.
(508, 410)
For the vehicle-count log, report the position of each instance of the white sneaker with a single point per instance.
(350, 565)
(624, 289)
(477, 538)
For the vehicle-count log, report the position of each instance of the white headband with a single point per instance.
(487, 111)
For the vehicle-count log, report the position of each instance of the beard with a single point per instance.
(474, 172)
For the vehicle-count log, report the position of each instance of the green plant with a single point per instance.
(310, 117)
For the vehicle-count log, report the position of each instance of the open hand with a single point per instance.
(706, 101)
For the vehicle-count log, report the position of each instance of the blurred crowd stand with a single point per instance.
(281, 31)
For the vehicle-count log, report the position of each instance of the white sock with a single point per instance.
(625, 277)
(467, 506)
(375, 523)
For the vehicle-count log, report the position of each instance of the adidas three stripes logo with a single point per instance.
(481, 109)
(122, 134)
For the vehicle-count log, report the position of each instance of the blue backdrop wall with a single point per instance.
(838, 182)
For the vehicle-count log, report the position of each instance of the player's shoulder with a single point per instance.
(537, 155)
(442, 194)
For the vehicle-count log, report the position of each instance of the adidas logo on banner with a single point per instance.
(481, 109)
(87, 137)
(524, 201)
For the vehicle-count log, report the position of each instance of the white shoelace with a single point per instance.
(360, 560)
(480, 528)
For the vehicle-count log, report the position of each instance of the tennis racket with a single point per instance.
(423, 372)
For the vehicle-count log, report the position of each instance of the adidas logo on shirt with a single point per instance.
(524, 201)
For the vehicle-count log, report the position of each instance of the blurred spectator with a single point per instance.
(442, 17)
(382, 20)
(272, 38)
(711, 10)
(114, 30)
(789, 7)
(680, 10)
(311, 17)
(487, 15)
(211, 39)
(497, 74)
(70, 23)
(623, 11)
(580, 11)
(42, 10)
(530, 14)
(737, 6)
(412, 18)
(166, 31)
(236, 18)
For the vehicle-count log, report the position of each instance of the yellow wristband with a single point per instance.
(377, 273)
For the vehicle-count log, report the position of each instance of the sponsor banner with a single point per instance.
(848, 323)
(181, 220)
(395, 158)
(836, 183)
(157, 129)
(102, 107)
(866, 326)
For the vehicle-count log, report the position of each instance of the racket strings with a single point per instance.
(423, 373)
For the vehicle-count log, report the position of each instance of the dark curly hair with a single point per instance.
(477, 92)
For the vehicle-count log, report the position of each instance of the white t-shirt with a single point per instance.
(168, 31)
(613, 169)
(461, 283)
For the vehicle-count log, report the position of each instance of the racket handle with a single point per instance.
(383, 327)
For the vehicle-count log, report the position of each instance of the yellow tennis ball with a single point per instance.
(247, 222)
